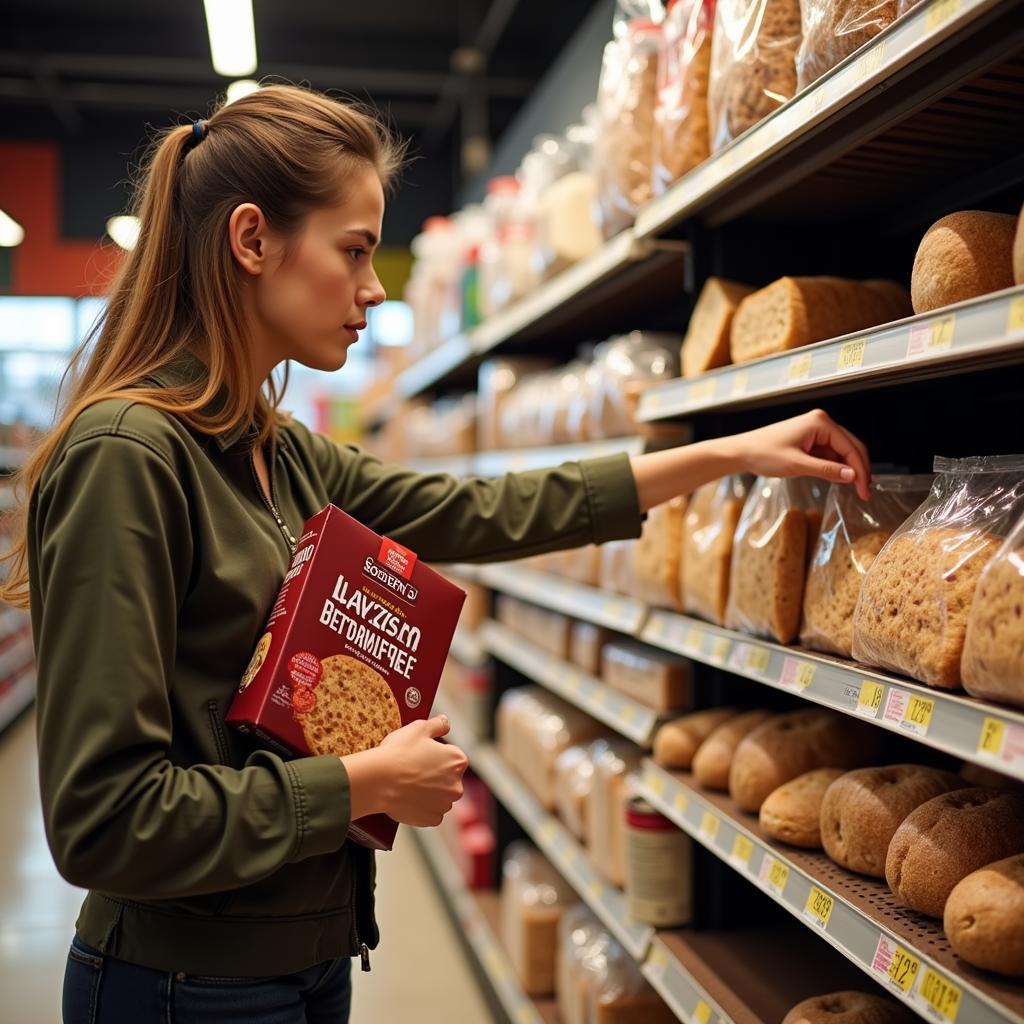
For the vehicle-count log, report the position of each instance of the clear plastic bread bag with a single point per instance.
(628, 364)
(993, 659)
(709, 526)
(832, 31)
(574, 775)
(533, 898)
(914, 602)
(684, 70)
(577, 932)
(753, 64)
(617, 563)
(558, 725)
(618, 991)
(775, 536)
(626, 95)
(614, 761)
(658, 555)
(853, 532)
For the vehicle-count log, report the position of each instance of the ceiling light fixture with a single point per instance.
(244, 86)
(11, 232)
(232, 37)
(124, 230)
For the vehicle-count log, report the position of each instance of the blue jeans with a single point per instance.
(101, 990)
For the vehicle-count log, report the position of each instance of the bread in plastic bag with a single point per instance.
(533, 899)
(617, 567)
(619, 993)
(710, 523)
(833, 29)
(649, 675)
(614, 760)
(753, 64)
(658, 555)
(993, 659)
(626, 365)
(574, 776)
(903, 6)
(775, 536)
(914, 603)
(852, 534)
(684, 70)
(578, 930)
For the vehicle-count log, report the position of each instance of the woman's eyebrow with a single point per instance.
(371, 239)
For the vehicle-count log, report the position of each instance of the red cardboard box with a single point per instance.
(353, 649)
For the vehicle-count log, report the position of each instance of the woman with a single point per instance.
(162, 515)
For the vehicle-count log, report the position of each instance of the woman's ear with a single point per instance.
(247, 231)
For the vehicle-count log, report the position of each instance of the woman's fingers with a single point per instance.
(829, 437)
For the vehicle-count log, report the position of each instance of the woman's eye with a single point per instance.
(356, 253)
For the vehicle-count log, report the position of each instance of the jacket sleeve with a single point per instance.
(110, 563)
(445, 519)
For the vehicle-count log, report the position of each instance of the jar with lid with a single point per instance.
(659, 866)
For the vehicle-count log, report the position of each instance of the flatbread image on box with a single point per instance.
(256, 663)
(354, 709)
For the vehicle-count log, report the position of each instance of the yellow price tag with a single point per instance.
(940, 12)
(657, 628)
(797, 674)
(918, 715)
(709, 825)
(701, 391)
(851, 355)
(818, 909)
(942, 333)
(903, 969)
(993, 732)
(701, 1013)
(870, 699)
(596, 889)
(628, 714)
(655, 783)
(526, 1015)
(805, 675)
(742, 849)
(758, 658)
(1015, 322)
(692, 640)
(720, 648)
(680, 801)
(799, 368)
(778, 876)
(940, 994)
(658, 960)
(547, 832)
(740, 382)
(600, 697)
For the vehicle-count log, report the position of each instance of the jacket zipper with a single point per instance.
(364, 950)
(270, 502)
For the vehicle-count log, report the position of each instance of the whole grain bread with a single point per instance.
(849, 1008)
(832, 31)
(792, 812)
(713, 759)
(706, 344)
(676, 742)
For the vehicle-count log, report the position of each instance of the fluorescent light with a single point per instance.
(124, 230)
(232, 37)
(244, 86)
(11, 232)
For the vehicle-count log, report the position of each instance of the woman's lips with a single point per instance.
(354, 329)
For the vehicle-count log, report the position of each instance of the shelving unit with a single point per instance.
(17, 665)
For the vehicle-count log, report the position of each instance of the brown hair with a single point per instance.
(285, 148)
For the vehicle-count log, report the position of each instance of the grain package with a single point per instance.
(626, 366)
(658, 553)
(914, 603)
(574, 775)
(681, 140)
(651, 676)
(832, 31)
(753, 64)
(619, 993)
(993, 659)
(354, 648)
(853, 532)
(626, 96)
(709, 526)
(578, 932)
(586, 646)
(610, 793)
(533, 899)
(776, 533)
(618, 563)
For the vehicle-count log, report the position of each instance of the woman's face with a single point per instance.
(310, 298)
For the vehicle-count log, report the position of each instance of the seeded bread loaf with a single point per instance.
(656, 678)
(706, 345)
(792, 813)
(586, 646)
(832, 31)
(713, 758)
(946, 839)
(658, 553)
(983, 917)
(676, 742)
(862, 810)
(849, 1008)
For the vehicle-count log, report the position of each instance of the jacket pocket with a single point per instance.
(220, 736)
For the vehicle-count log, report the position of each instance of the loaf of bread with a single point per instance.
(962, 256)
(791, 744)
(656, 678)
(792, 813)
(658, 554)
(619, 993)
(573, 778)
(586, 646)
(947, 838)
(713, 759)
(832, 31)
(776, 534)
(849, 1008)
(983, 917)
(993, 660)
(797, 311)
(676, 742)
(708, 530)
(577, 933)
(706, 345)
(862, 810)
(617, 565)
(912, 612)
(1018, 250)
(610, 792)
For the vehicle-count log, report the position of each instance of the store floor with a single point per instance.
(420, 974)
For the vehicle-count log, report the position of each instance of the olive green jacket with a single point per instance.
(154, 559)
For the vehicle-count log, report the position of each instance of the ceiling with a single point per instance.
(96, 74)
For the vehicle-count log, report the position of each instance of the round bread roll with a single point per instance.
(849, 1008)
(1018, 250)
(862, 810)
(947, 838)
(677, 741)
(962, 256)
(714, 757)
(983, 917)
(793, 812)
(789, 745)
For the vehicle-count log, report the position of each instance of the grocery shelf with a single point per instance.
(624, 614)
(478, 914)
(975, 335)
(467, 648)
(626, 716)
(905, 952)
(972, 729)
(454, 355)
(17, 696)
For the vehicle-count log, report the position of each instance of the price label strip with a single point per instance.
(797, 674)
(758, 658)
(741, 379)
(933, 336)
(742, 851)
(940, 997)
(680, 801)
(818, 909)
(869, 701)
(1015, 321)
(720, 649)
(939, 12)
(774, 874)
(993, 735)
(694, 639)
(851, 355)
(799, 367)
(709, 826)
(702, 391)
(896, 965)
(918, 716)
(701, 1013)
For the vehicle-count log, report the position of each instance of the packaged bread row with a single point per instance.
(962, 256)
(946, 845)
